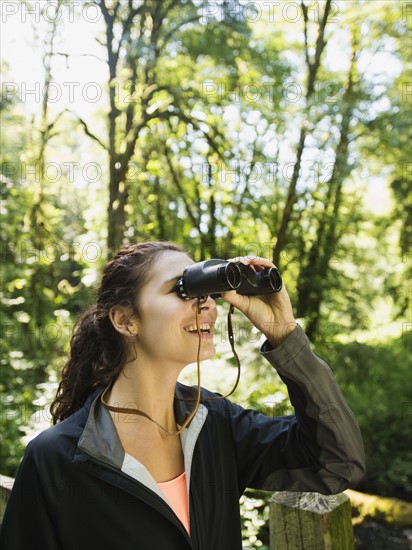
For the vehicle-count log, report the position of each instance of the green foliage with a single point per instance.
(375, 379)
(41, 286)
(254, 512)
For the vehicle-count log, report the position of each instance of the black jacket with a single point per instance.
(77, 489)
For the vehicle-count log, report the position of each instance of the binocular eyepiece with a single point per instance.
(212, 277)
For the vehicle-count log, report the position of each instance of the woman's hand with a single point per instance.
(270, 313)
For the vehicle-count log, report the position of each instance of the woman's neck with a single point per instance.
(149, 389)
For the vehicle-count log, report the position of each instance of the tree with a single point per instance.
(137, 39)
(314, 271)
(313, 66)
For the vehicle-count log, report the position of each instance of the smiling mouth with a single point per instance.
(205, 328)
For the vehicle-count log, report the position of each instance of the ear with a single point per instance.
(124, 320)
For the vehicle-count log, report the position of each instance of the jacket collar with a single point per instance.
(100, 439)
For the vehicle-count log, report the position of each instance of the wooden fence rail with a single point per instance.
(310, 521)
(6, 485)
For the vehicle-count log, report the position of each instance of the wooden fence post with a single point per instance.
(310, 521)
(6, 485)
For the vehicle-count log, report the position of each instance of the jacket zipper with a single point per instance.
(129, 478)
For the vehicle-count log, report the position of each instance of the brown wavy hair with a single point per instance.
(97, 349)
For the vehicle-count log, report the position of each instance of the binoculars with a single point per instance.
(212, 277)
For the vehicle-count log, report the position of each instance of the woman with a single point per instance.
(106, 478)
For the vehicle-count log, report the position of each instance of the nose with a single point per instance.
(205, 303)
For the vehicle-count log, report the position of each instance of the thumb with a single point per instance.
(239, 301)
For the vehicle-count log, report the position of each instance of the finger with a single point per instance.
(253, 260)
(238, 300)
(241, 259)
(264, 262)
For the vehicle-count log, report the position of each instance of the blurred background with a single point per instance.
(272, 128)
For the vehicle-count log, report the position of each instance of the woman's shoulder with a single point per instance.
(62, 438)
(57, 441)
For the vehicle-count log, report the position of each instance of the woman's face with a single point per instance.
(166, 323)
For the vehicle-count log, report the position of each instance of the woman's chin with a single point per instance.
(207, 353)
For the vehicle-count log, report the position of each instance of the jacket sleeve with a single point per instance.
(319, 448)
(27, 523)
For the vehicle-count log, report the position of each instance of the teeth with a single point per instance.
(204, 327)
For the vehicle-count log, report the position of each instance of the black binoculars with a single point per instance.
(212, 277)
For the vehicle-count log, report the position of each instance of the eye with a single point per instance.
(174, 286)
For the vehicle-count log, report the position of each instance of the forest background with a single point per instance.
(272, 128)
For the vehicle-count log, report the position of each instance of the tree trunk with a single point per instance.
(290, 201)
(313, 67)
(40, 227)
(311, 287)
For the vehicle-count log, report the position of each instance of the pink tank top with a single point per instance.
(176, 493)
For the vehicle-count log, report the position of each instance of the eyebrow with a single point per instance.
(173, 280)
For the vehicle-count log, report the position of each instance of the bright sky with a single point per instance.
(78, 80)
